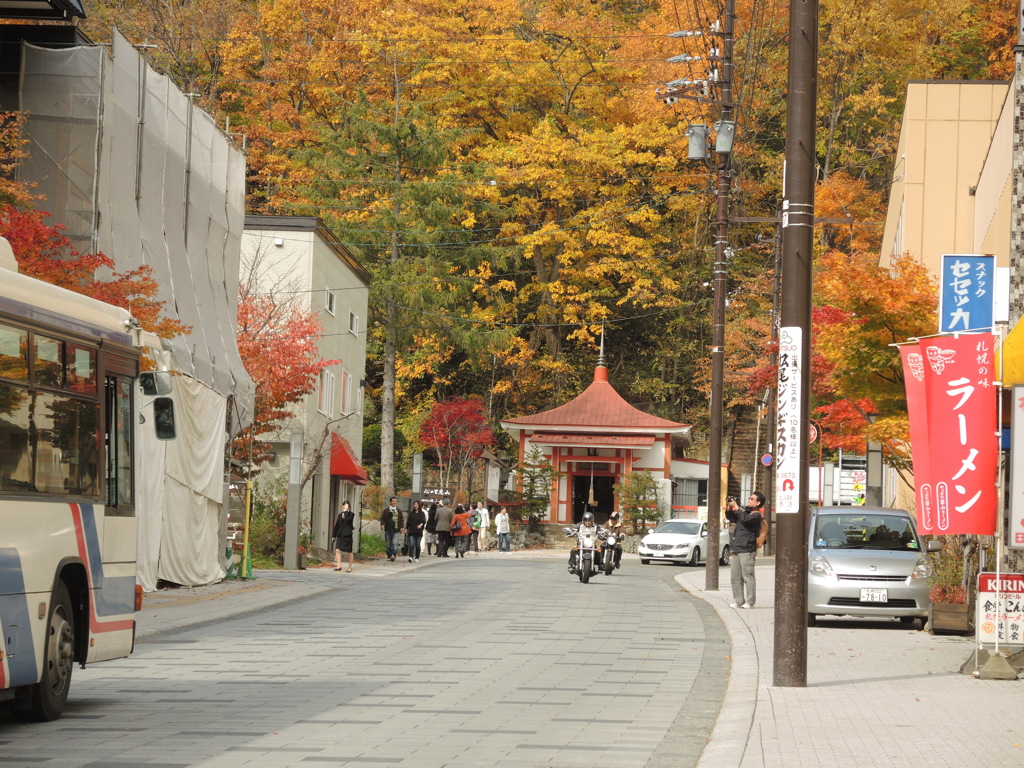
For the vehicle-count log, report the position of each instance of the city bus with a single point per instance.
(71, 400)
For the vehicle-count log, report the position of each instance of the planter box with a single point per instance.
(949, 618)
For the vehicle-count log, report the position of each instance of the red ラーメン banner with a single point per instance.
(960, 403)
(917, 412)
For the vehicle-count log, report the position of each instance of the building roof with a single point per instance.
(64, 10)
(598, 407)
(262, 222)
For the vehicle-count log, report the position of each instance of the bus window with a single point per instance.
(66, 448)
(81, 369)
(47, 363)
(13, 353)
(119, 442)
(15, 457)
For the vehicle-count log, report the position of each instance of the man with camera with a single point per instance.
(743, 548)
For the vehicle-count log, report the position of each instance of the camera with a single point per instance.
(730, 498)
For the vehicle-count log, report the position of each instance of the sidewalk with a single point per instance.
(877, 694)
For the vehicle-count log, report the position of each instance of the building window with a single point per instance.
(325, 401)
(353, 323)
(346, 393)
(329, 301)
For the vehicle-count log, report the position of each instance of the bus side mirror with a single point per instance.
(155, 383)
(163, 418)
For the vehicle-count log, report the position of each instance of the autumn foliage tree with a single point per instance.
(458, 432)
(277, 341)
(44, 252)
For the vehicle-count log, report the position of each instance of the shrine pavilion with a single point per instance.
(595, 438)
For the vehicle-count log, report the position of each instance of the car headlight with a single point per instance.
(922, 569)
(684, 545)
(820, 566)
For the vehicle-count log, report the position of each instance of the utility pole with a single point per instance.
(721, 288)
(723, 149)
(792, 449)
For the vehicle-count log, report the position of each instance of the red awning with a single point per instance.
(592, 440)
(344, 462)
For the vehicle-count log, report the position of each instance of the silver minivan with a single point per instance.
(867, 562)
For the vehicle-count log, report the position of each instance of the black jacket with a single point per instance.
(748, 525)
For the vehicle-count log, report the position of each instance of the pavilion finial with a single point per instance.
(600, 356)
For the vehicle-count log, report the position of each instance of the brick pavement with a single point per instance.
(457, 663)
(877, 694)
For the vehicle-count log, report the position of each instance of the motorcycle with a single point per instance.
(588, 553)
(609, 545)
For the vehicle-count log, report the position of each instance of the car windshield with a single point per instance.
(688, 527)
(853, 531)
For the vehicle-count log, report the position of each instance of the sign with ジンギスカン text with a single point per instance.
(788, 432)
(999, 613)
(960, 401)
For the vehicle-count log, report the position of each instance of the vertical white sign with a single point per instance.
(1015, 529)
(788, 433)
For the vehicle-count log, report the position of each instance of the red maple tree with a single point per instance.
(44, 252)
(278, 345)
(457, 430)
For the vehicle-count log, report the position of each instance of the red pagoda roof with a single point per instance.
(598, 406)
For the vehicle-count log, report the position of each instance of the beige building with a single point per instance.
(299, 257)
(951, 181)
(951, 188)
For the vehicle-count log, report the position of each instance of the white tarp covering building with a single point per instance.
(131, 168)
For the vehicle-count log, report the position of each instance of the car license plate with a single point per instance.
(659, 554)
(874, 596)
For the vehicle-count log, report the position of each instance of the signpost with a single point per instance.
(966, 292)
(999, 613)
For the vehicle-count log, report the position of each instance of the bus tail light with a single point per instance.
(138, 597)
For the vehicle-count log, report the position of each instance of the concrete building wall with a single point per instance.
(945, 138)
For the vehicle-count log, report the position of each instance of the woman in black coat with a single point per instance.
(431, 527)
(343, 529)
(414, 525)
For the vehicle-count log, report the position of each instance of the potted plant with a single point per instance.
(950, 609)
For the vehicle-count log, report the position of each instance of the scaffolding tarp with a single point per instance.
(133, 169)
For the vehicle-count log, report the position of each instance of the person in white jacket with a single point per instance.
(485, 525)
(504, 528)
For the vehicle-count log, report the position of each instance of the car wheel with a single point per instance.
(695, 557)
(812, 619)
(644, 561)
(724, 560)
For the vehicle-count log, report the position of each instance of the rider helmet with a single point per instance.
(588, 519)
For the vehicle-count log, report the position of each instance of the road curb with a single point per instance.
(731, 735)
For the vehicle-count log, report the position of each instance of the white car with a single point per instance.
(682, 542)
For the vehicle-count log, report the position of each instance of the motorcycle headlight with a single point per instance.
(587, 541)
(922, 569)
(821, 566)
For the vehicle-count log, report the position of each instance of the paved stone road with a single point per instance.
(476, 662)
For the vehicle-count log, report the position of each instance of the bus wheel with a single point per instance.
(51, 694)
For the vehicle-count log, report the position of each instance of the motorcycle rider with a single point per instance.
(587, 527)
(616, 527)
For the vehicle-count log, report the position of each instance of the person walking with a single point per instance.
(474, 529)
(462, 530)
(391, 524)
(504, 528)
(344, 525)
(414, 525)
(442, 525)
(743, 548)
(485, 526)
(431, 528)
